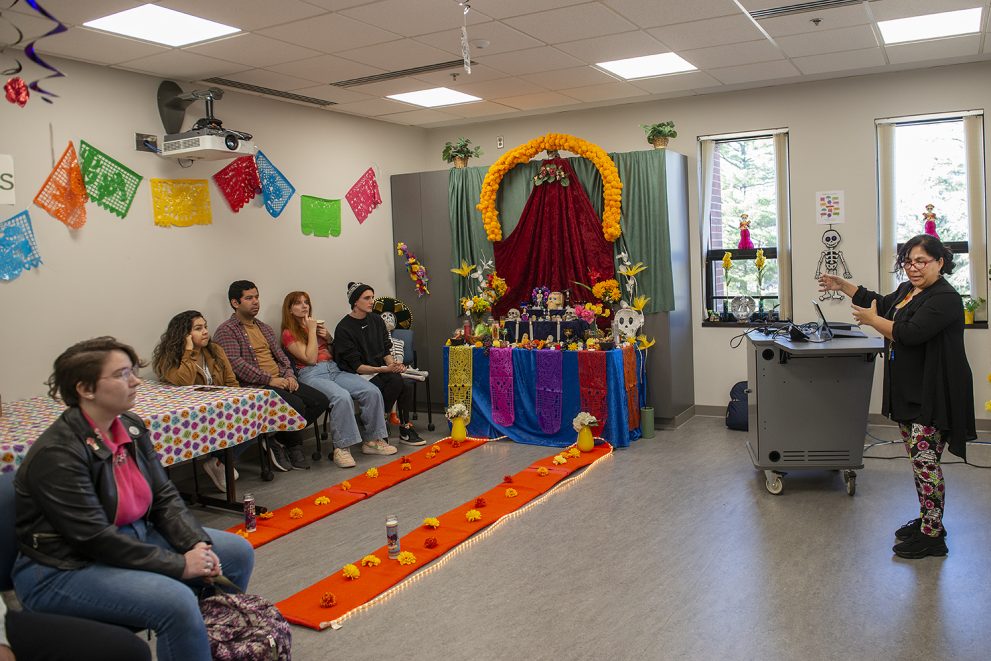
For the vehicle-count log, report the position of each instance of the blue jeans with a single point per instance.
(135, 598)
(340, 387)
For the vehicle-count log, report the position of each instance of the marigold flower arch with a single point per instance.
(612, 187)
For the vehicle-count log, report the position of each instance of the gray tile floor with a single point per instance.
(671, 549)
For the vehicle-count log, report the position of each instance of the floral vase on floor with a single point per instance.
(459, 431)
(586, 441)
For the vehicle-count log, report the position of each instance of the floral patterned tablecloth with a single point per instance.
(184, 422)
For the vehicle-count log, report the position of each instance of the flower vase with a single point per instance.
(761, 316)
(726, 316)
(460, 162)
(968, 317)
(459, 431)
(586, 441)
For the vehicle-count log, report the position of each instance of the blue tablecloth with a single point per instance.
(526, 428)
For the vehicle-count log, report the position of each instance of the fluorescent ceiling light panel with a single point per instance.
(647, 66)
(161, 25)
(931, 26)
(438, 96)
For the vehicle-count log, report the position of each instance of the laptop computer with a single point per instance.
(828, 331)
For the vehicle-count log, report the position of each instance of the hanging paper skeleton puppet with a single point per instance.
(745, 242)
(830, 261)
(930, 218)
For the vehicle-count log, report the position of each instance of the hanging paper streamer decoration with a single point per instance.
(550, 390)
(276, 189)
(11, 45)
(632, 391)
(459, 377)
(592, 386)
(238, 181)
(64, 193)
(34, 57)
(181, 202)
(501, 385)
(109, 183)
(319, 217)
(18, 250)
(364, 195)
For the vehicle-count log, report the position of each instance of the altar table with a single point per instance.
(525, 427)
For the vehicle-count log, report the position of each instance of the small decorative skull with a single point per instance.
(627, 323)
(513, 314)
(390, 321)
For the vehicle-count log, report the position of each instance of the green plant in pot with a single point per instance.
(459, 152)
(659, 134)
(970, 306)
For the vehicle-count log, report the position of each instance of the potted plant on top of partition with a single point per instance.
(659, 134)
(459, 152)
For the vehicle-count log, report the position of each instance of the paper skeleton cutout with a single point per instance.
(830, 261)
(627, 322)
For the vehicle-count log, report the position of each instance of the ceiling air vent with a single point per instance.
(803, 7)
(268, 91)
(402, 73)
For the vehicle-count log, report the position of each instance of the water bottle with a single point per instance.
(392, 536)
(250, 522)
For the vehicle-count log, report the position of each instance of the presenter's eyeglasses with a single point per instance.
(917, 264)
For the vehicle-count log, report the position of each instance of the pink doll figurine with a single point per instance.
(930, 219)
(745, 242)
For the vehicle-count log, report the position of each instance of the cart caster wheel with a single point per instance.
(774, 487)
(851, 482)
(431, 427)
(315, 456)
(268, 476)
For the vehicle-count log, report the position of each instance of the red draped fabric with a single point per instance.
(557, 241)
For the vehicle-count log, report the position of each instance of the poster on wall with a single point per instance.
(7, 179)
(830, 208)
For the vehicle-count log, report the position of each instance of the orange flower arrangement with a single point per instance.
(612, 187)
(295, 513)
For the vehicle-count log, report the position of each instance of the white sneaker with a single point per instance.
(214, 470)
(377, 447)
(343, 458)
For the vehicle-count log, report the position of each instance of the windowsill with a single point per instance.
(745, 324)
(976, 325)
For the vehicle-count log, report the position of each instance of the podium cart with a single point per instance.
(807, 405)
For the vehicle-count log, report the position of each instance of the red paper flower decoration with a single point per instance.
(17, 91)
(508, 479)
(480, 502)
(430, 543)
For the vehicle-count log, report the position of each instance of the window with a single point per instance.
(742, 175)
(935, 160)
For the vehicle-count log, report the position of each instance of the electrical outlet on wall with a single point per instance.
(146, 142)
(500, 143)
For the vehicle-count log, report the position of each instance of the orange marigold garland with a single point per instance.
(612, 187)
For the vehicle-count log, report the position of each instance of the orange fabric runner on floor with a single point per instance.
(362, 486)
(305, 608)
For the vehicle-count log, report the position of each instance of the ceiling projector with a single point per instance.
(207, 140)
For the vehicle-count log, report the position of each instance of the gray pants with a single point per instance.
(340, 387)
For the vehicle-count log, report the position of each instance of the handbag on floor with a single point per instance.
(244, 627)
(736, 410)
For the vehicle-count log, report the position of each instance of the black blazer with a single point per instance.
(927, 379)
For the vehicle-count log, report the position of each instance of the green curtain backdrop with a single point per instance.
(644, 221)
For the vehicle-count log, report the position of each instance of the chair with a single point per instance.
(409, 358)
(8, 535)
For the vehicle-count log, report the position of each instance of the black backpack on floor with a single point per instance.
(736, 410)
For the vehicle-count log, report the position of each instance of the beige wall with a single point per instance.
(832, 147)
(128, 277)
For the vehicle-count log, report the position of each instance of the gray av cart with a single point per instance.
(808, 404)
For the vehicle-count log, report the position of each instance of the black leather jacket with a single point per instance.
(66, 502)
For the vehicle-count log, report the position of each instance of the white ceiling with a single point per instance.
(540, 52)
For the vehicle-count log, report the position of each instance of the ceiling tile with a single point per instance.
(857, 37)
(733, 54)
(571, 23)
(500, 36)
(245, 14)
(417, 117)
(336, 5)
(395, 55)
(605, 92)
(886, 10)
(252, 50)
(479, 109)
(506, 8)
(614, 47)
(938, 49)
(565, 78)
(496, 89)
(374, 107)
(182, 65)
(330, 33)
(272, 79)
(676, 82)
(479, 73)
(326, 69)
(541, 100)
(531, 60)
(748, 73)
(830, 19)
(708, 32)
(73, 12)
(414, 18)
(97, 47)
(654, 13)
(331, 93)
(860, 59)
(395, 86)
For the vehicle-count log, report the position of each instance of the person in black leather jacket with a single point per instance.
(103, 533)
(928, 385)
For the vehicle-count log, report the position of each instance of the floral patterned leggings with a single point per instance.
(925, 447)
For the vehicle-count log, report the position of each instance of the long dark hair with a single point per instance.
(932, 247)
(81, 364)
(168, 353)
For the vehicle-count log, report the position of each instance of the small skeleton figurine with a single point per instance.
(930, 224)
(745, 243)
(832, 259)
